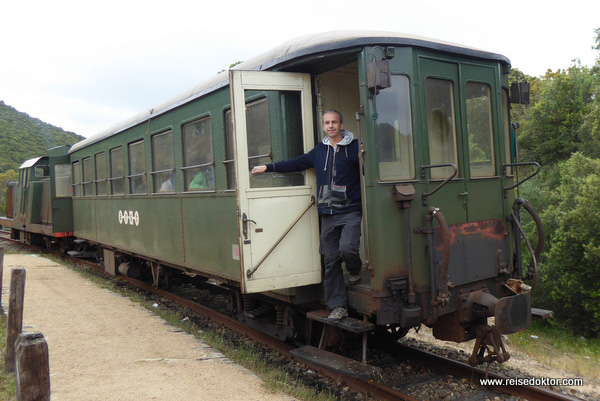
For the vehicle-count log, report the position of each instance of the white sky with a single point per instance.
(85, 66)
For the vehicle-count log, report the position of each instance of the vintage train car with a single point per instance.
(38, 204)
(172, 188)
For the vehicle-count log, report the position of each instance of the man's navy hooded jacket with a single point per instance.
(337, 170)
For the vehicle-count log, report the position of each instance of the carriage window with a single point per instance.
(509, 148)
(100, 181)
(137, 168)
(87, 176)
(229, 151)
(394, 131)
(62, 180)
(42, 171)
(117, 179)
(198, 162)
(76, 179)
(480, 131)
(441, 126)
(163, 165)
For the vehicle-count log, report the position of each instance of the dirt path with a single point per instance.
(103, 346)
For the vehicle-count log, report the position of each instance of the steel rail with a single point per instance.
(474, 374)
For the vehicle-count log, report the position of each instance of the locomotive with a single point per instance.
(169, 191)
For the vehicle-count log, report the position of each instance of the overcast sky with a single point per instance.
(85, 66)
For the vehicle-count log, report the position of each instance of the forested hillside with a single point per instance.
(560, 129)
(23, 137)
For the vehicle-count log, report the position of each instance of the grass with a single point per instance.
(7, 380)
(559, 348)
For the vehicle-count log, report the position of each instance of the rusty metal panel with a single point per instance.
(477, 250)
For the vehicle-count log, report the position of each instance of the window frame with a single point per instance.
(69, 184)
(156, 173)
(389, 179)
(76, 174)
(113, 178)
(133, 176)
(506, 132)
(202, 166)
(491, 132)
(98, 181)
(443, 172)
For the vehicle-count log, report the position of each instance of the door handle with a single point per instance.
(245, 221)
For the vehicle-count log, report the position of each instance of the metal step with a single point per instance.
(337, 363)
(348, 323)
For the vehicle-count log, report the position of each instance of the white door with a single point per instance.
(277, 213)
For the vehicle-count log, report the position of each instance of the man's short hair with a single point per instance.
(336, 112)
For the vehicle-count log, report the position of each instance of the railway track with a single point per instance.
(438, 369)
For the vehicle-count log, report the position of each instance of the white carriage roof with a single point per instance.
(29, 163)
(294, 48)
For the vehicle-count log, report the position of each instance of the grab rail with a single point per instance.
(504, 166)
(250, 272)
(432, 166)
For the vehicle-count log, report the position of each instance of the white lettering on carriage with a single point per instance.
(129, 217)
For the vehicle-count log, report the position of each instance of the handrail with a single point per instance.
(250, 272)
(504, 166)
(432, 166)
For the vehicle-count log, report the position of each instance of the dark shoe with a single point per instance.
(354, 279)
(337, 314)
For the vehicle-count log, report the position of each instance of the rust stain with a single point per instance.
(494, 230)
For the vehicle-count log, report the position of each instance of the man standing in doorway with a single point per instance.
(336, 164)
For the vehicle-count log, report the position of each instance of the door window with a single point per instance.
(508, 138)
(274, 136)
(394, 131)
(441, 126)
(62, 180)
(480, 131)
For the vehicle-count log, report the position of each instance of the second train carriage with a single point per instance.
(172, 186)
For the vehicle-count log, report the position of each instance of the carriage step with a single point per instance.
(337, 363)
(348, 323)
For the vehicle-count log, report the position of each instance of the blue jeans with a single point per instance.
(340, 242)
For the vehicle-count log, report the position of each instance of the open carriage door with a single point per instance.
(277, 214)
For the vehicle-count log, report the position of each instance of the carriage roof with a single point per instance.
(296, 48)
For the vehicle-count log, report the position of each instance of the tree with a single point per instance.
(4, 179)
(554, 128)
(569, 278)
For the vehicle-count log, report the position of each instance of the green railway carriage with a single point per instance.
(172, 186)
